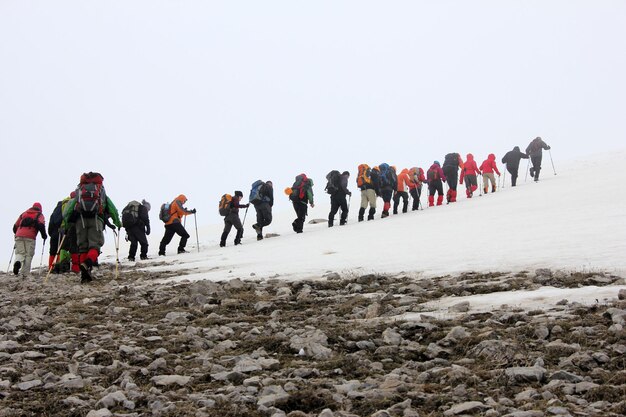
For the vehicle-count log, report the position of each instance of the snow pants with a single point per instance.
(170, 230)
(514, 172)
(338, 201)
(416, 193)
(489, 177)
(229, 221)
(24, 253)
(435, 186)
(301, 210)
(137, 235)
(396, 201)
(368, 197)
(263, 214)
(386, 194)
(471, 185)
(536, 168)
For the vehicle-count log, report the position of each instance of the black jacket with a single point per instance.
(536, 147)
(512, 158)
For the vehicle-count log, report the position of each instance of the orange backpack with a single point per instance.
(364, 175)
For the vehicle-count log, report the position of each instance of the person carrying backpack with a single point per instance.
(55, 231)
(470, 173)
(301, 195)
(263, 200)
(172, 215)
(435, 178)
(416, 177)
(388, 184)
(91, 208)
(511, 159)
(488, 167)
(136, 221)
(232, 219)
(368, 182)
(404, 182)
(338, 189)
(25, 229)
(451, 165)
(535, 151)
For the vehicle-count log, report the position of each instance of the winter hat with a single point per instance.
(270, 183)
(146, 205)
(238, 194)
(437, 163)
(37, 206)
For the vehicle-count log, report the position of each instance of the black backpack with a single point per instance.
(333, 184)
(451, 160)
(130, 214)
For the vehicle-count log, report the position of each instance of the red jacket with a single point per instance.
(470, 168)
(489, 165)
(37, 223)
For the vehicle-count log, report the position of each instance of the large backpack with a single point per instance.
(90, 194)
(29, 219)
(432, 175)
(364, 176)
(224, 205)
(56, 218)
(299, 188)
(451, 160)
(130, 214)
(414, 174)
(256, 193)
(334, 179)
(164, 212)
(388, 177)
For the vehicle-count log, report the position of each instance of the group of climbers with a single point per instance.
(77, 224)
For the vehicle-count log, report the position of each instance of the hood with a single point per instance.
(491, 157)
(516, 149)
(304, 177)
(470, 157)
(146, 205)
(37, 206)
(182, 198)
(405, 171)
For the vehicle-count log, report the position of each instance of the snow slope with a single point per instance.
(573, 221)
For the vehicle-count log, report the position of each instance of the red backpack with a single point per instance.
(90, 194)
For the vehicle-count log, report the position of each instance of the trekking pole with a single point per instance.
(117, 253)
(527, 167)
(11, 259)
(504, 176)
(195, 222)
(41, 260)
(480, 186)
(244, 216)
(550, 153)
(56, 259)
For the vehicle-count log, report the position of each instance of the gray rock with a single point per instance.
(103, 412)
(391, 337)
(456, 334)
(531, 413)
(112, 399)
(621, 295)
(159, 363)
(470, 407)
(272, 395)
(177, 317)
(9, 346)
(365, 345)
(558, 411)
(565, 376)
(462, 307)
(585, 386)
(313, 343)
(167, 380)
(327, 412)
(523, 374)
(25, 386)
(542, 332)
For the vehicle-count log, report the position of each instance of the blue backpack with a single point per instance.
(256, 195)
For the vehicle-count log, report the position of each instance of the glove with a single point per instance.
(147, 230)
(460, 182)
(548, 147)
(193, 211)
(44, 236)
(350, 193)
(312, 205)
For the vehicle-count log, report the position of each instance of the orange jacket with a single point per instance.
(489, 165)
(416, 176)
(177, 211)
(403, 181)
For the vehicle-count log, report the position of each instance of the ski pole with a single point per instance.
(195, 222)
(41, 260)
(527, 167)
(550, 153)
(56, 259)
(11, 259)
(504, 176)
(244, 216)
(480, 187)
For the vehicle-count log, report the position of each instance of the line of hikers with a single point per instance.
(77, 224)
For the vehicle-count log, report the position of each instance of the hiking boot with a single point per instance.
(16, 267)
(342, 223)
(131, 258)
(182, 251)
(237, 242)
(222, 244)
(259, 237)
(144, 257)
(493, 189)
(532, 172)
(384, 214)
(256, 228)
(85, 273)
(161, 253)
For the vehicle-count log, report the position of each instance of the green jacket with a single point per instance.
(108, 210)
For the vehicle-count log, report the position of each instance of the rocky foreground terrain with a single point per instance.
(335, 346)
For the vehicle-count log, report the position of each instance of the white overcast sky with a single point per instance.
(204, 97)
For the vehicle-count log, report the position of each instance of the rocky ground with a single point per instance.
(334, 346)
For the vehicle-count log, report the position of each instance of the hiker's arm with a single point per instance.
(113, 213)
